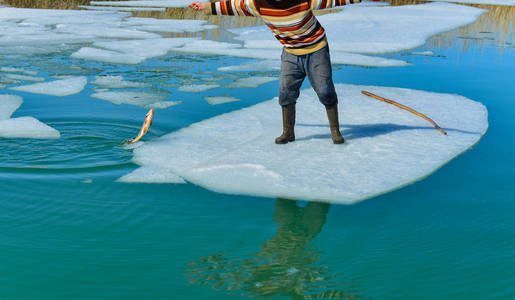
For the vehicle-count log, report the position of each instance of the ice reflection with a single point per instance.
(287, 265)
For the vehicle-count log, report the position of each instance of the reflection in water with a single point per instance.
(287, 264)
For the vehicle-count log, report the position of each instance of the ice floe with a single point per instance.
(122, 8)
(386, 148)
(24, 77)
(117, 82)
(215, 100)
(167, 25)
(22, 127)
(129, 52)
(144, 3)
(61, 88)
(151, 175)
(197, 88)
(208, 47)
(423, 53)
(373, 30)
(18, 70)
(142, 99)
(251, 82)
(163, 104)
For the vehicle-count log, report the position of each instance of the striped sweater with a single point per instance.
(291, 21)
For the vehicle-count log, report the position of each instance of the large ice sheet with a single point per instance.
(61, 88)
(149, 3)
(274, 53)
(151, 175)
(385, 147)
(22, 127)
(370, 29)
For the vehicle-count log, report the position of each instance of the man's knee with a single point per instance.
(327, 96)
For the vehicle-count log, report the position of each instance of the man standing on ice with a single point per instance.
(305, 52)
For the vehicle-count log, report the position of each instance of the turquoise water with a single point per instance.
(70, 231)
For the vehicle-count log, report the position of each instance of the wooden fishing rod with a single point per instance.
(405, 108)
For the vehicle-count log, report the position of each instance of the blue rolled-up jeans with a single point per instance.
(317, 66)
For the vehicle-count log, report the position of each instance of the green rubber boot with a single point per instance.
(288, 124)
(332, 115)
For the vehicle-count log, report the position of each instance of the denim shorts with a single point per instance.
(317, 66)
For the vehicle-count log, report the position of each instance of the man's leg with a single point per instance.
(292, 75)
(320, 74)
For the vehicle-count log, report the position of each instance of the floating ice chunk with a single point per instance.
(117, 82)
(423, 53)
(262, 65)
(23, 127)
(197, 88)
(165, 25)
(215, 100)
(129, 52)
(122, 8)
(251, 82)
(163, 104)
(2, 86)
(27, 127)
(24, 77)
(62, 87)
(144, 3)
(108, 56)
(8, 105)
(18, 70)
(151, 175)
(141, 99)
(385, 147)
(387, 29)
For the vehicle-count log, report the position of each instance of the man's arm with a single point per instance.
(323, 4)
(227, 7)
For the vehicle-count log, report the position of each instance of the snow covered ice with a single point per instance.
(386, 148)
(21, 127)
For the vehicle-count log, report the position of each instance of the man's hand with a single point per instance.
(197, 5)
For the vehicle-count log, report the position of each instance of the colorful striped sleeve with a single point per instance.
(323, 4)
(234, 8)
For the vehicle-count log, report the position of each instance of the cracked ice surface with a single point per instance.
(386, 148)
(22, 127)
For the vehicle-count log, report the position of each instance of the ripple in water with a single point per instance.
(85, 146)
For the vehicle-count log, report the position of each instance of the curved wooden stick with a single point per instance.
(405, 108)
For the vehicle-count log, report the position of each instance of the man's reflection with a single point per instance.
(287, 264)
